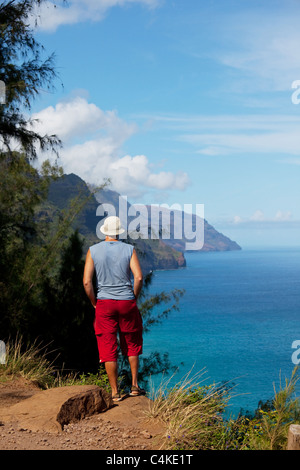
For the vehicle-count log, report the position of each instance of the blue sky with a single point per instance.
(183, 102)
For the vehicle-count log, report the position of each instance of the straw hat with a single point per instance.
(112, 226)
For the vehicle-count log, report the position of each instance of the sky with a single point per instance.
(182, 102)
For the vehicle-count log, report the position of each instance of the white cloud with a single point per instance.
(136, 167)
(76, 117)
(237, 219)
(283, 216)
(259, 219)
(291, 161)
(286, 142)
(165, 180)
(228, 134)
(255, 43)
(262, 45)
(258, 216)
(92, 148)
(51, 16)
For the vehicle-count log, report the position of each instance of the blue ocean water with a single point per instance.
(237, 320)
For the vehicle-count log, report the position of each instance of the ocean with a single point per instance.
(237, 321)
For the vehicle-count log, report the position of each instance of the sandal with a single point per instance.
(116, 397)
(136, 391)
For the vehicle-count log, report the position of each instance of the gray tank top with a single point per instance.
(112, 267)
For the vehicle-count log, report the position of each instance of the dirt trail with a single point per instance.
(123, 427)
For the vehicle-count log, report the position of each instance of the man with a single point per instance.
(115, 306)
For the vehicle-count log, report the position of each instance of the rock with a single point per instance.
(83, 405)
(49, 410)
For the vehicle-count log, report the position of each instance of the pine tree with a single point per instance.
(23, 72)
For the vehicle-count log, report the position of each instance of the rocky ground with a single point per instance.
(123, 427)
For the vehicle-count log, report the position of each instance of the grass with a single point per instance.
(191, 412)
(31, 362)
(192, 415)
(100, 379)
(28, 362)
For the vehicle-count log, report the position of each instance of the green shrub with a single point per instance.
(193, 418)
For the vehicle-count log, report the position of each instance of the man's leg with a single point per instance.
(134, 366)
(111, 368)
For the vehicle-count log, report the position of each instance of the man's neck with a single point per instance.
(110, 239)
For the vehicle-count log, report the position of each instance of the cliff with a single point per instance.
(153, 254)
(161, 253)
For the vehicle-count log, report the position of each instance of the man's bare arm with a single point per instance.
(137, 274)
(88, 278)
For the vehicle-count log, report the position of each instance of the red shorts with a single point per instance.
(118, 316)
